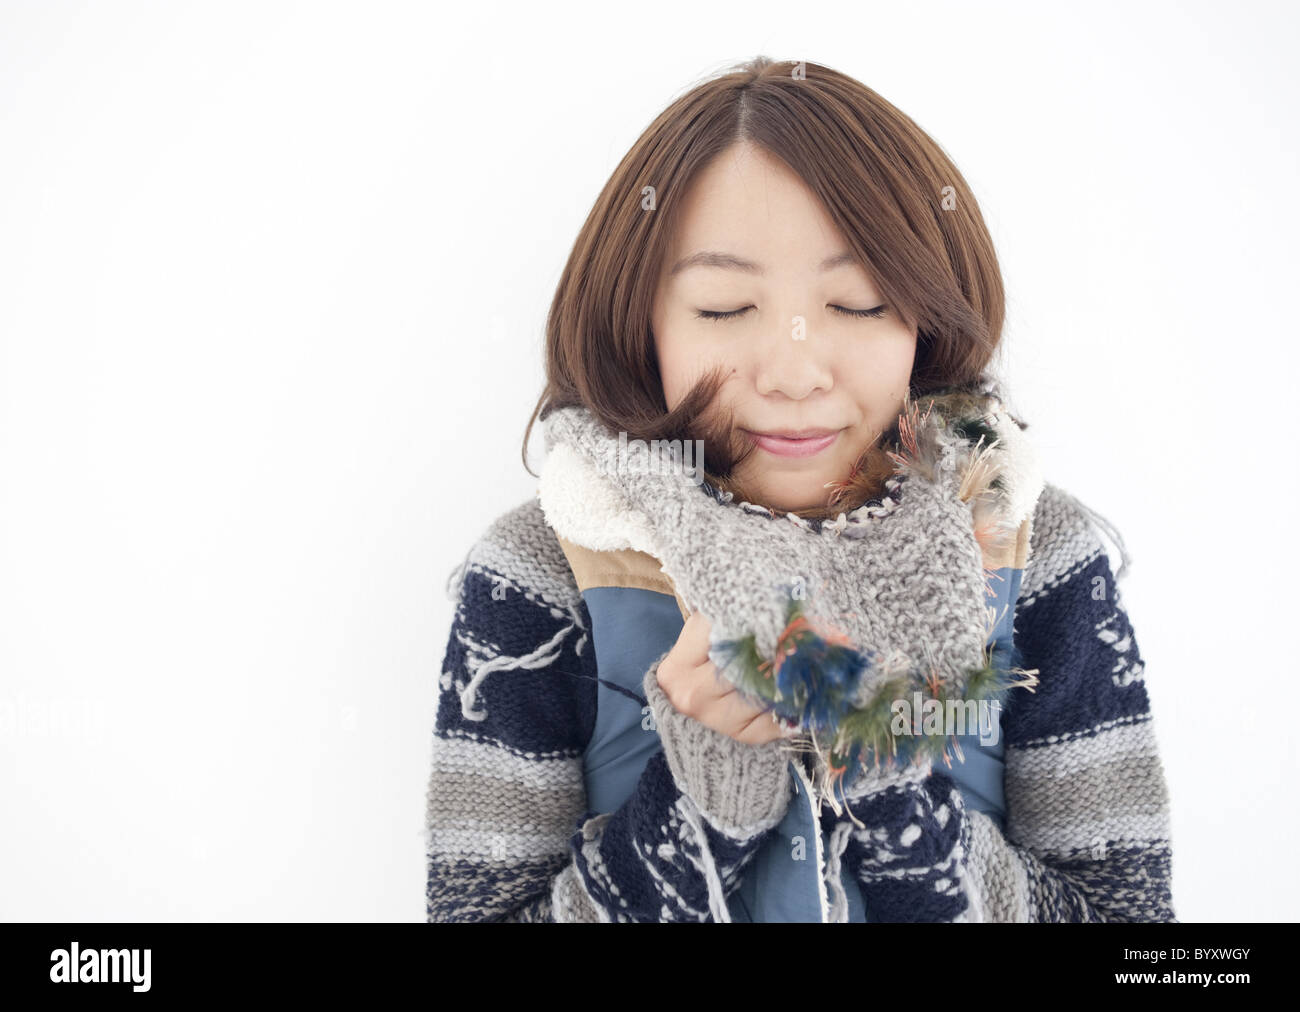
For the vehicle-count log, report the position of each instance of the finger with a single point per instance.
(759, 729)
(709, 685)
(693, 640)
(744, 720)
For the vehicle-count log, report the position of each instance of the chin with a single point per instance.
(783, 497)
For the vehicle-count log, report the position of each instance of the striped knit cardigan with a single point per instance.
(509, 835)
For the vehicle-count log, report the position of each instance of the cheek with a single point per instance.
(674, 371)
(675, 357)
(884, 361)
(880, 372)
(682, 363)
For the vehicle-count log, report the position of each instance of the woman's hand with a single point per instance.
(693, 686)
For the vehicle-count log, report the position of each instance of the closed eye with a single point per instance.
(731, 314)
(871, 314)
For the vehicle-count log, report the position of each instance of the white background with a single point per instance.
(273, 280)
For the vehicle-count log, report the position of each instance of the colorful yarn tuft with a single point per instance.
(811, 681)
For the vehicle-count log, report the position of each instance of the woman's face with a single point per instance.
(813, 384)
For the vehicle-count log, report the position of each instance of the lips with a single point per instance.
(795, 442)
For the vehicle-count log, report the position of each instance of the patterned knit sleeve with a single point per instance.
(509, 836)
(1087, 834)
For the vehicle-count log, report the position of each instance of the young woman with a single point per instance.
(786, 528)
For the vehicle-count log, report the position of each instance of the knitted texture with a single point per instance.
(1087, 835)
(509, 835)
(826, 625)
(738, 787)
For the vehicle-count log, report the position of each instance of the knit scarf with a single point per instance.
(827, 624)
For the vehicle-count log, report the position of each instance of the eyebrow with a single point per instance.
(731, 262)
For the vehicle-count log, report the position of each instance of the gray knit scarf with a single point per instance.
(904, 577)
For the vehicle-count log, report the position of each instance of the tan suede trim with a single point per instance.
(621, 568)
(1022, 542)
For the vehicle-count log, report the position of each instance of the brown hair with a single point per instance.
(903, 207)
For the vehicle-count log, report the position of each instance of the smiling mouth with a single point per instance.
(795, 443)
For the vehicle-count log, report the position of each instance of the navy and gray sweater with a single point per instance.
(514, 833)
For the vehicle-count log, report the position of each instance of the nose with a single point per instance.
(795, 363)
